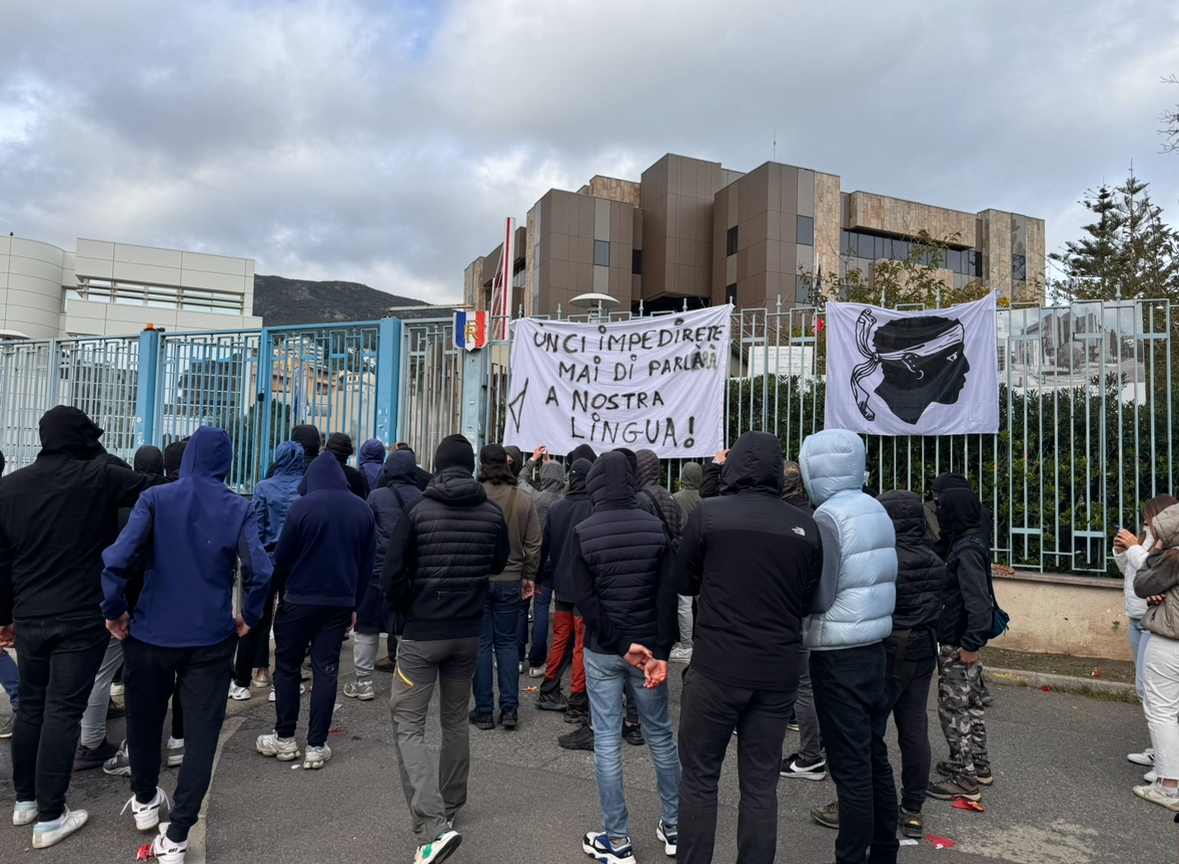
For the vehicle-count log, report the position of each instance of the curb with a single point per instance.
(1063, 683)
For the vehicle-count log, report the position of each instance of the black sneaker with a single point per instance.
(508, 719)
(827, 816)
(582, 739)
(633, 735)
(793, 766)
(114, 709)
(482, 721)
(958, 786)
(92, 757)
(983, 774)
(912, 824)
(551, 702)
(575, 715)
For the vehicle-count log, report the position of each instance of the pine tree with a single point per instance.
(1092, 265)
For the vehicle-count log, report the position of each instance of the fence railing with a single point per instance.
(1087, 405)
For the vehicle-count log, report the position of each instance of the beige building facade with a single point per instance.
(690, 230)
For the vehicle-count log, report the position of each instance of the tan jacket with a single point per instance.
(523, 530)
(1160, 575)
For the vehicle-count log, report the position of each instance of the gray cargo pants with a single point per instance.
(434, 792)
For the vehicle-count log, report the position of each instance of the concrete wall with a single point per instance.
(1052, 614)
(31, 287)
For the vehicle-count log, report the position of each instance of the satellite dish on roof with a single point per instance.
(589, 301)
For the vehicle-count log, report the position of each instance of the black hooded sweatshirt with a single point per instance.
(340, 446)
(148, 460)
(557, 533)
(921, 575)
(56, 517)
(665, 506)
(967, 612)
(755, 561)
(173, 456)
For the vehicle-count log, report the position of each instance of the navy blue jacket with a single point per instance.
(274, 496)
(326, 550)
(191, 532)
(556, 547)
(622, 560)
(397, 493)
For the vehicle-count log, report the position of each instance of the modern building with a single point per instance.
(694, 230)
(112, 289)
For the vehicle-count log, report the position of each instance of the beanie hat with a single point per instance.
(493, 454)
(455, 451)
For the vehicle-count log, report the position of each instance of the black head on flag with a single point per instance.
(923, 359)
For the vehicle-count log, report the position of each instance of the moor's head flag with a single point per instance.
(934, 372)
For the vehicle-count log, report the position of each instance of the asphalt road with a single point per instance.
(1061, 796)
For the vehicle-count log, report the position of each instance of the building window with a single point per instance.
(802, 289)
(636, 262)
(806, 231)
(731, 241)
(731, 290)
(974, 263)
(1019, 268)
(518, 266)
(874, 247)
(601, 253)
(157, 296)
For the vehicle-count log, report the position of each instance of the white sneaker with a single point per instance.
(147, 816)
(315, 757)
(1150, 776)
(45, 834)
(438, 849)
(239, 694)
(167, 851)
(302, 690)
(537, 671)
(1155, 795)
(175, 752)
(117, 691)
(680, 655)
(284, 749)
(1146, 757)
(24, 813)
(362, 690)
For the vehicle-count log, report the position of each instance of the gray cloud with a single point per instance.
(384, 142)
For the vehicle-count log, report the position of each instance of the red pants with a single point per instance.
(568, 644)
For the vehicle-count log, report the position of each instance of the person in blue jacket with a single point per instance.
(191, 534)
(272, 501)
(325, 560)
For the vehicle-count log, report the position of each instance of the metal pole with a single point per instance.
(388, 378)
(145, 396)
(474, 406)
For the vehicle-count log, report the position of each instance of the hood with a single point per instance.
(209, 453)
(400, 467)
(648, 468)
(288, 459)
(372, 450)
(517, 455)
(581, 451)
(831, 461)
(149, 460)
(633, 459)
(907, 512)
(755, 462)
(454, 451)
(552, 477)
(692, 476)
(1, 461)
(308, 436)
(611, 483)
(324, 472)
(456, 486)
(340, 446)
(68, 429)
(578, 475)
(950, 481)
(1166, 526)
(173, 455)
(959, 513)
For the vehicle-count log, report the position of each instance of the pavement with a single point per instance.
(1061, 794)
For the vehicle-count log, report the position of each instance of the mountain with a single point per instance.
(281, 301)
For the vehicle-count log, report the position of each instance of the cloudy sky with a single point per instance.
(384, 141)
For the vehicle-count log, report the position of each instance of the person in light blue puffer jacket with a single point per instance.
(848, 619)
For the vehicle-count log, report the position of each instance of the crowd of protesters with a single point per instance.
(791, 593)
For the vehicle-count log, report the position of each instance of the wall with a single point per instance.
(1079, 615)
(30, 287)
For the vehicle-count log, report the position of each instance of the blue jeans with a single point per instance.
(10, 678)
(539, 651)
(1138, 640)
(501, 614)
(605, 675)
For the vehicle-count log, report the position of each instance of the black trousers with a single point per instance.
(58, 659)
(298, 627)
(200, 675)
(908, 698)
(253, 652)
(710, 710)
(853, 708)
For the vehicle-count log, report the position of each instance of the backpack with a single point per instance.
(1000, 620)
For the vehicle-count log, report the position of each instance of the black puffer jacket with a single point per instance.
(967, 611)
(440, 557)
(665, 507)
(622, 567)
(556, 548)
(921, 575)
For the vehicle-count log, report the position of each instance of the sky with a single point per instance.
(384, 141)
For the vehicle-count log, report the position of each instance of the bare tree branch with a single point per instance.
(1170, 120)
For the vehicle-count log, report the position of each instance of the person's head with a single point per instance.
(649, 471)
(691, 476)
(578, 474)
(340, 446)
(454, 451)
(67, 429)
(515, 458)
(611, 483)
(400, 468)
(494, 467)
(959, 513)
(372, 450)
(832, 461)
(755, 462)
(308, 436)
(149, 460)
(401, 445)
(552, 476)
(949, 481)
(209, 453)
(288, 459)
(792, 480)
(173, 456)
(581, 451)
(1152, 508)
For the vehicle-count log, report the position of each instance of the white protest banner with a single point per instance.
(648, 383)
(934, 372)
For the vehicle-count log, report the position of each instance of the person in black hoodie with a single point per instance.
(621, 563)
(965, 626)
(173, 456)
(755, 562)
(439, 559)
(325, 559)
(340, 446)
(421, 475)
(307, 437)
(56, 517)
(568, 625)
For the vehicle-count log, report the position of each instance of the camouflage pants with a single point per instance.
(960, 708)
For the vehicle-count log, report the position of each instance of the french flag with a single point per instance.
(470, 330)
